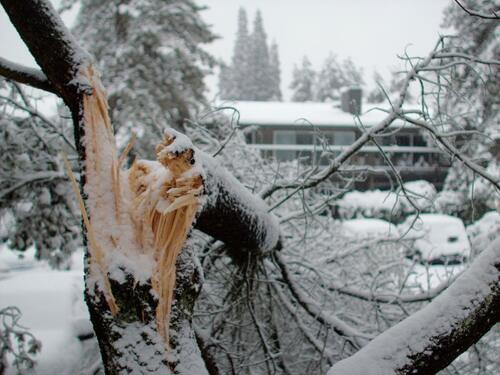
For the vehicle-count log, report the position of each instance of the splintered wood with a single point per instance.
(159, 204)
(169, 213)
(96, 121)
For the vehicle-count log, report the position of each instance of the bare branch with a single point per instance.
(430, 339)
(453, 151)
(356, 338)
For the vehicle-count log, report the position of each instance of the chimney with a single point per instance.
(350, 100)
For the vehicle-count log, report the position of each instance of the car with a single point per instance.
(436, 239)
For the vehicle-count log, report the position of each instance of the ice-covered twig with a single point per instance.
(430, 339)
(351, 334)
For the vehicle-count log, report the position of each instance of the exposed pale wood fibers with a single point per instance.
(159, 231)
(94, 248)
(169, 226)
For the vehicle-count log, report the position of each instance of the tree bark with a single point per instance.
(123, 312)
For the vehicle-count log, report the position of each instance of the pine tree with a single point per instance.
(234, 80)
(260, 88)
(226, 82)
(254, 73)
(478, 37)
(334, 76)
(36, 202)
(330, 80)
(353, 75)
(275, 72)
(303, 81)
(151, 53)
(377, 96)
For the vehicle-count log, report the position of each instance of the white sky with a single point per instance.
(371, 32)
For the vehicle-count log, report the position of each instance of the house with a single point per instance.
(314, 133)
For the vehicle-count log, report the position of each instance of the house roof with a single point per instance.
(300, 113)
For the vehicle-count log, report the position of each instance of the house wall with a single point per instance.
(412, 158)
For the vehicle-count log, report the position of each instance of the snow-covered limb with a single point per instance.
(29, 76)
(390, 298)
(430, 339)
(51, 44)
(33, 177)
(233, 214)
(314, 341)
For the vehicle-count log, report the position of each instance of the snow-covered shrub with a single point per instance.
(422, 195)
(416, 196)
(17, 345)
(484, 231)
(370, 204)
(36, 203)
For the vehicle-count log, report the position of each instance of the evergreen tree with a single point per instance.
(260, 87)
(478, 37)
(226, 82)
(36, 202)
(377, 96)
(275, 72)
(353, 75)
(234, 80)
(330, 80)
(254, 73)
(151, 53)
(303, 81)
(334, 76)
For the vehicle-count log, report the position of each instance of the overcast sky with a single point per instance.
(371, 32)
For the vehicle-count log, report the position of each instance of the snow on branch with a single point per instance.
(430, 339)
(29, 76)
(55, 50)
(441, 58)
(452, 150)
(234, 215)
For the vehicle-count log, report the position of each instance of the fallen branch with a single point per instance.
(433, 337)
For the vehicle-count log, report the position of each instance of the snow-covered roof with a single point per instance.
(301, 113)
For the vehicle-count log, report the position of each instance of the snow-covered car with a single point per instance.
(436, 239)
(369, 228)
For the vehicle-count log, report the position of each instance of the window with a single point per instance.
(305, 138)
(403, 139)
(284, 137)
(418, 140)
(343, 137)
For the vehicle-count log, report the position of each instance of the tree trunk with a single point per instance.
(127, 304)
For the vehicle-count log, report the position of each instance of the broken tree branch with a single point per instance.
(432, 338)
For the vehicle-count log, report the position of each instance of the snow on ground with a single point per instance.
(52, 308)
